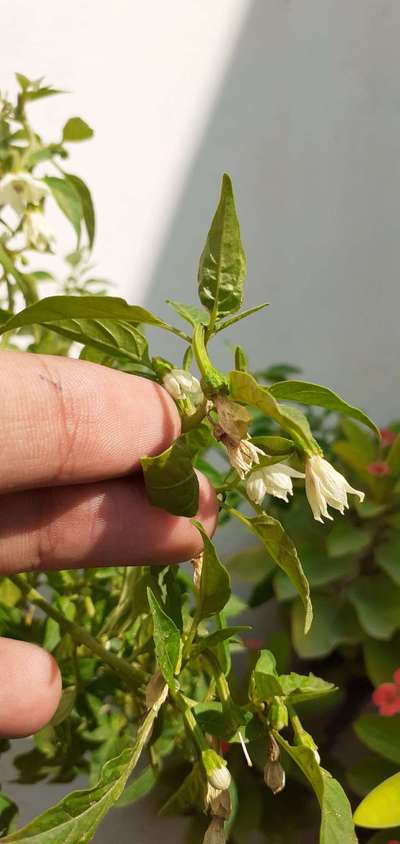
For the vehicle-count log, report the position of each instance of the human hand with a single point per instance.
(71, 437)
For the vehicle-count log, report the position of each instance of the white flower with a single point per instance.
(275, 480)
(181, 385)
(37, 231)
(326, 487)
(242, 454)
(21, 189)
(219, 778)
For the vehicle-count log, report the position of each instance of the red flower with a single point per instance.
(379, 468)
(224, 747)
(387, 696)
(393, 841)
(253, 644)
(388, 437)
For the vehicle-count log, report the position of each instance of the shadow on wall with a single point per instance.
(307, 122)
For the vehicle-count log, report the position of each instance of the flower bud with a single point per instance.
(216, 769)
(181, 385)
(274, 776)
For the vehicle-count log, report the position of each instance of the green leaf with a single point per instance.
(190, 313)
(140, 786)
(116, 339)
(380, 809)
(244, 388)
(276, 446)
(8, 811)
(79, 814)
(336, 820)
(65, 706)
(88, 211)
(376, 600)
(220, 326)
(368, 773)
(314, 394)
(345, 538)
(167, 639)
(76, 129)
(387, 556)
(300, 687)
(251, 564)
(189, 795)
(318, 570)
(380, 734)
(381, 659)
(215, 586)
(334, 624)
(283, 552)
(222, 267)
(67, 199)
(56, 309)
(171, 482)
(207, 642)
(265, 677)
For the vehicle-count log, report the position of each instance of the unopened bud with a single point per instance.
(181, 385)
(216, 769)
(215, 833)
(274, 776)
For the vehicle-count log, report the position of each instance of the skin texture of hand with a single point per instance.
(71, 495)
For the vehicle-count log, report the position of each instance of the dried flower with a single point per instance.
(21, 189)
(326, 487)
(197, 563)
(37, 231)
(242, 455)
(215, 833)
(274, 776)
(156, 691)
(181, 384)
(387, 696)
(275, 480)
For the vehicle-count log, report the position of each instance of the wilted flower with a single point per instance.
(274, 776)
(21, 189)
(232, 417)
(215, 833)
(275, 480)
(197, 563)
(156, 692)
(37, 231)
(242, 455)
(387, 696)
(218, 802)
(181, 384)
(326, 487)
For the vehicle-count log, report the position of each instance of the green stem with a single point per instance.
(212, 381)
(190, 722)
(130, 673)
(194, 419)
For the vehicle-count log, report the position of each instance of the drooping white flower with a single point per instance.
(275, 480)
(21, 189)
(325, 486)
(37, 231)
(216, 769)
(242, 455)
(181, 384)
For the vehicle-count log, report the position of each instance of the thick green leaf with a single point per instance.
(277, 446)
(140, 786)
(167, 639)
(380, 809)
(381, 659)
(189, 313)
(88, 211)
(60, 308)
(334, 624)
(265, 677)
(76, 129)
(300, 687)
(314, 394)
(220, 326)
(376, 600)
(116, 339)
(215, 586)
(345, 538)
(222, 267)
(336, 820)
(68, 200)
(387, 556)
(244, 388)
(77, 816)
(171, 481)
(283, 552)
(381, 734)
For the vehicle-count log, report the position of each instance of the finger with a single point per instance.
(69, 421)
(107, 523)
(30, 688)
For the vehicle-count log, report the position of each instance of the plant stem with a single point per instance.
(130, 673)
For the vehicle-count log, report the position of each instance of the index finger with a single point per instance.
(64, 421)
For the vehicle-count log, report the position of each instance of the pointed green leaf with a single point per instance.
(282, 550)
(79, 814)
(220, 326)
(140, 786)
(376, 600)
(222, 267)
(300, 687)
(88, 211)
(306, 393)
(334, 624)
(167, 640)
(207, 642)
(381, 734)
(336, 820)
(190, 313)
(215, 586)
(380, 809)
(244, 388)
(67, 199)
(116, 339)
(76, 129)
(171, 482)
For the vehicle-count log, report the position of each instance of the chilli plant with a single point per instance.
(152, 666)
